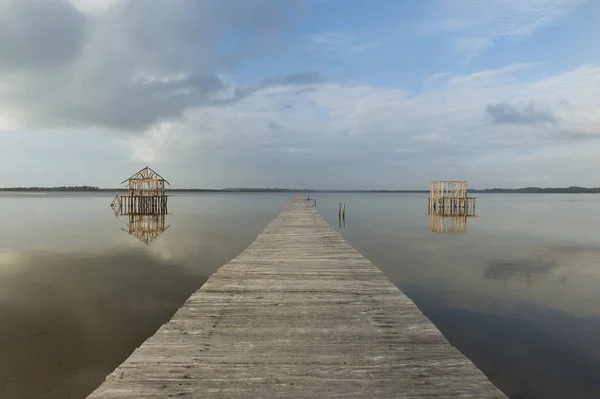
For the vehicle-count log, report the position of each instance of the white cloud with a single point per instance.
(383, 119)
(408, 150)
(430, 138)
(94, 7)
(503, 18)
(296, 149)
(473, 45)
(490, 76)
(476, 25)
(128, 66)
(154, 75)
(340, 44)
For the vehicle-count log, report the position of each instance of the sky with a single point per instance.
(346, 94)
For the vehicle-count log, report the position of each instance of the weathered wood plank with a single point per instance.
(299, 314)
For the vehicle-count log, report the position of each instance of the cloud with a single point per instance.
(503, 18)
(128, 66)
(304, 78)
(39, 34)
(340, 44)
(474, 26)
(353, 122)
(356, 128)
(502, 113)
(302, 81)
(165, 83)
(490, 76)
(296, 149)
(544, 123)
(473, 45)
(94, 7)
(429, 137)
(408, 150)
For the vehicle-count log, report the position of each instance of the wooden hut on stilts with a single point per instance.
(146, 194)
(449, 198)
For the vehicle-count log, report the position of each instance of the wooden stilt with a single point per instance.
(450, 198)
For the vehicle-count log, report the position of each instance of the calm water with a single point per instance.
(516, 289)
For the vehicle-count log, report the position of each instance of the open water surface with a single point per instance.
(517, 288)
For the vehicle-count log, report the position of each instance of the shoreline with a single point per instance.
(531, 190)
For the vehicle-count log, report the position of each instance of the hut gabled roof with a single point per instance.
(146, 173)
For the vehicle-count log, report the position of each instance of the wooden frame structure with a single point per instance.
(449, 198)
(146, 182)
(146, 194)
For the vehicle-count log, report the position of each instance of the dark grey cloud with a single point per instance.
(549, 128)
(573, 135)
(39, 33)
(139, 63)
(504, 113)
(302, 79)
(275, 127)
(139, 105)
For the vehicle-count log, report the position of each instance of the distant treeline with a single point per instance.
(525, 190)
(61, 188)
(538, 190)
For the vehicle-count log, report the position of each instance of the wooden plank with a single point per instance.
(299, 314)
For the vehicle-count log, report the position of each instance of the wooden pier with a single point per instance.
(299, 314)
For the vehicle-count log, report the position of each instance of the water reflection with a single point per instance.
(77, 295)
(528, 269)
(448, 224)
(525, 352)
(518, 294)
(68, 319)
(115, 205)
(146, 228)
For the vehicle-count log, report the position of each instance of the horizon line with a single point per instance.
(265, 189)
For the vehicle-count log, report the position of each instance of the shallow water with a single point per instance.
(516, 289)
(518, 292)
(78, 294)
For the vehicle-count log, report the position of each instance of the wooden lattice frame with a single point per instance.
(146, 182)
(448, 189)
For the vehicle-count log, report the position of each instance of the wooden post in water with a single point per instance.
(342, 211)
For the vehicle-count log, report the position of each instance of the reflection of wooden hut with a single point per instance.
(448, 224)
(146, 194)
(450, 198)
(146, 227)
